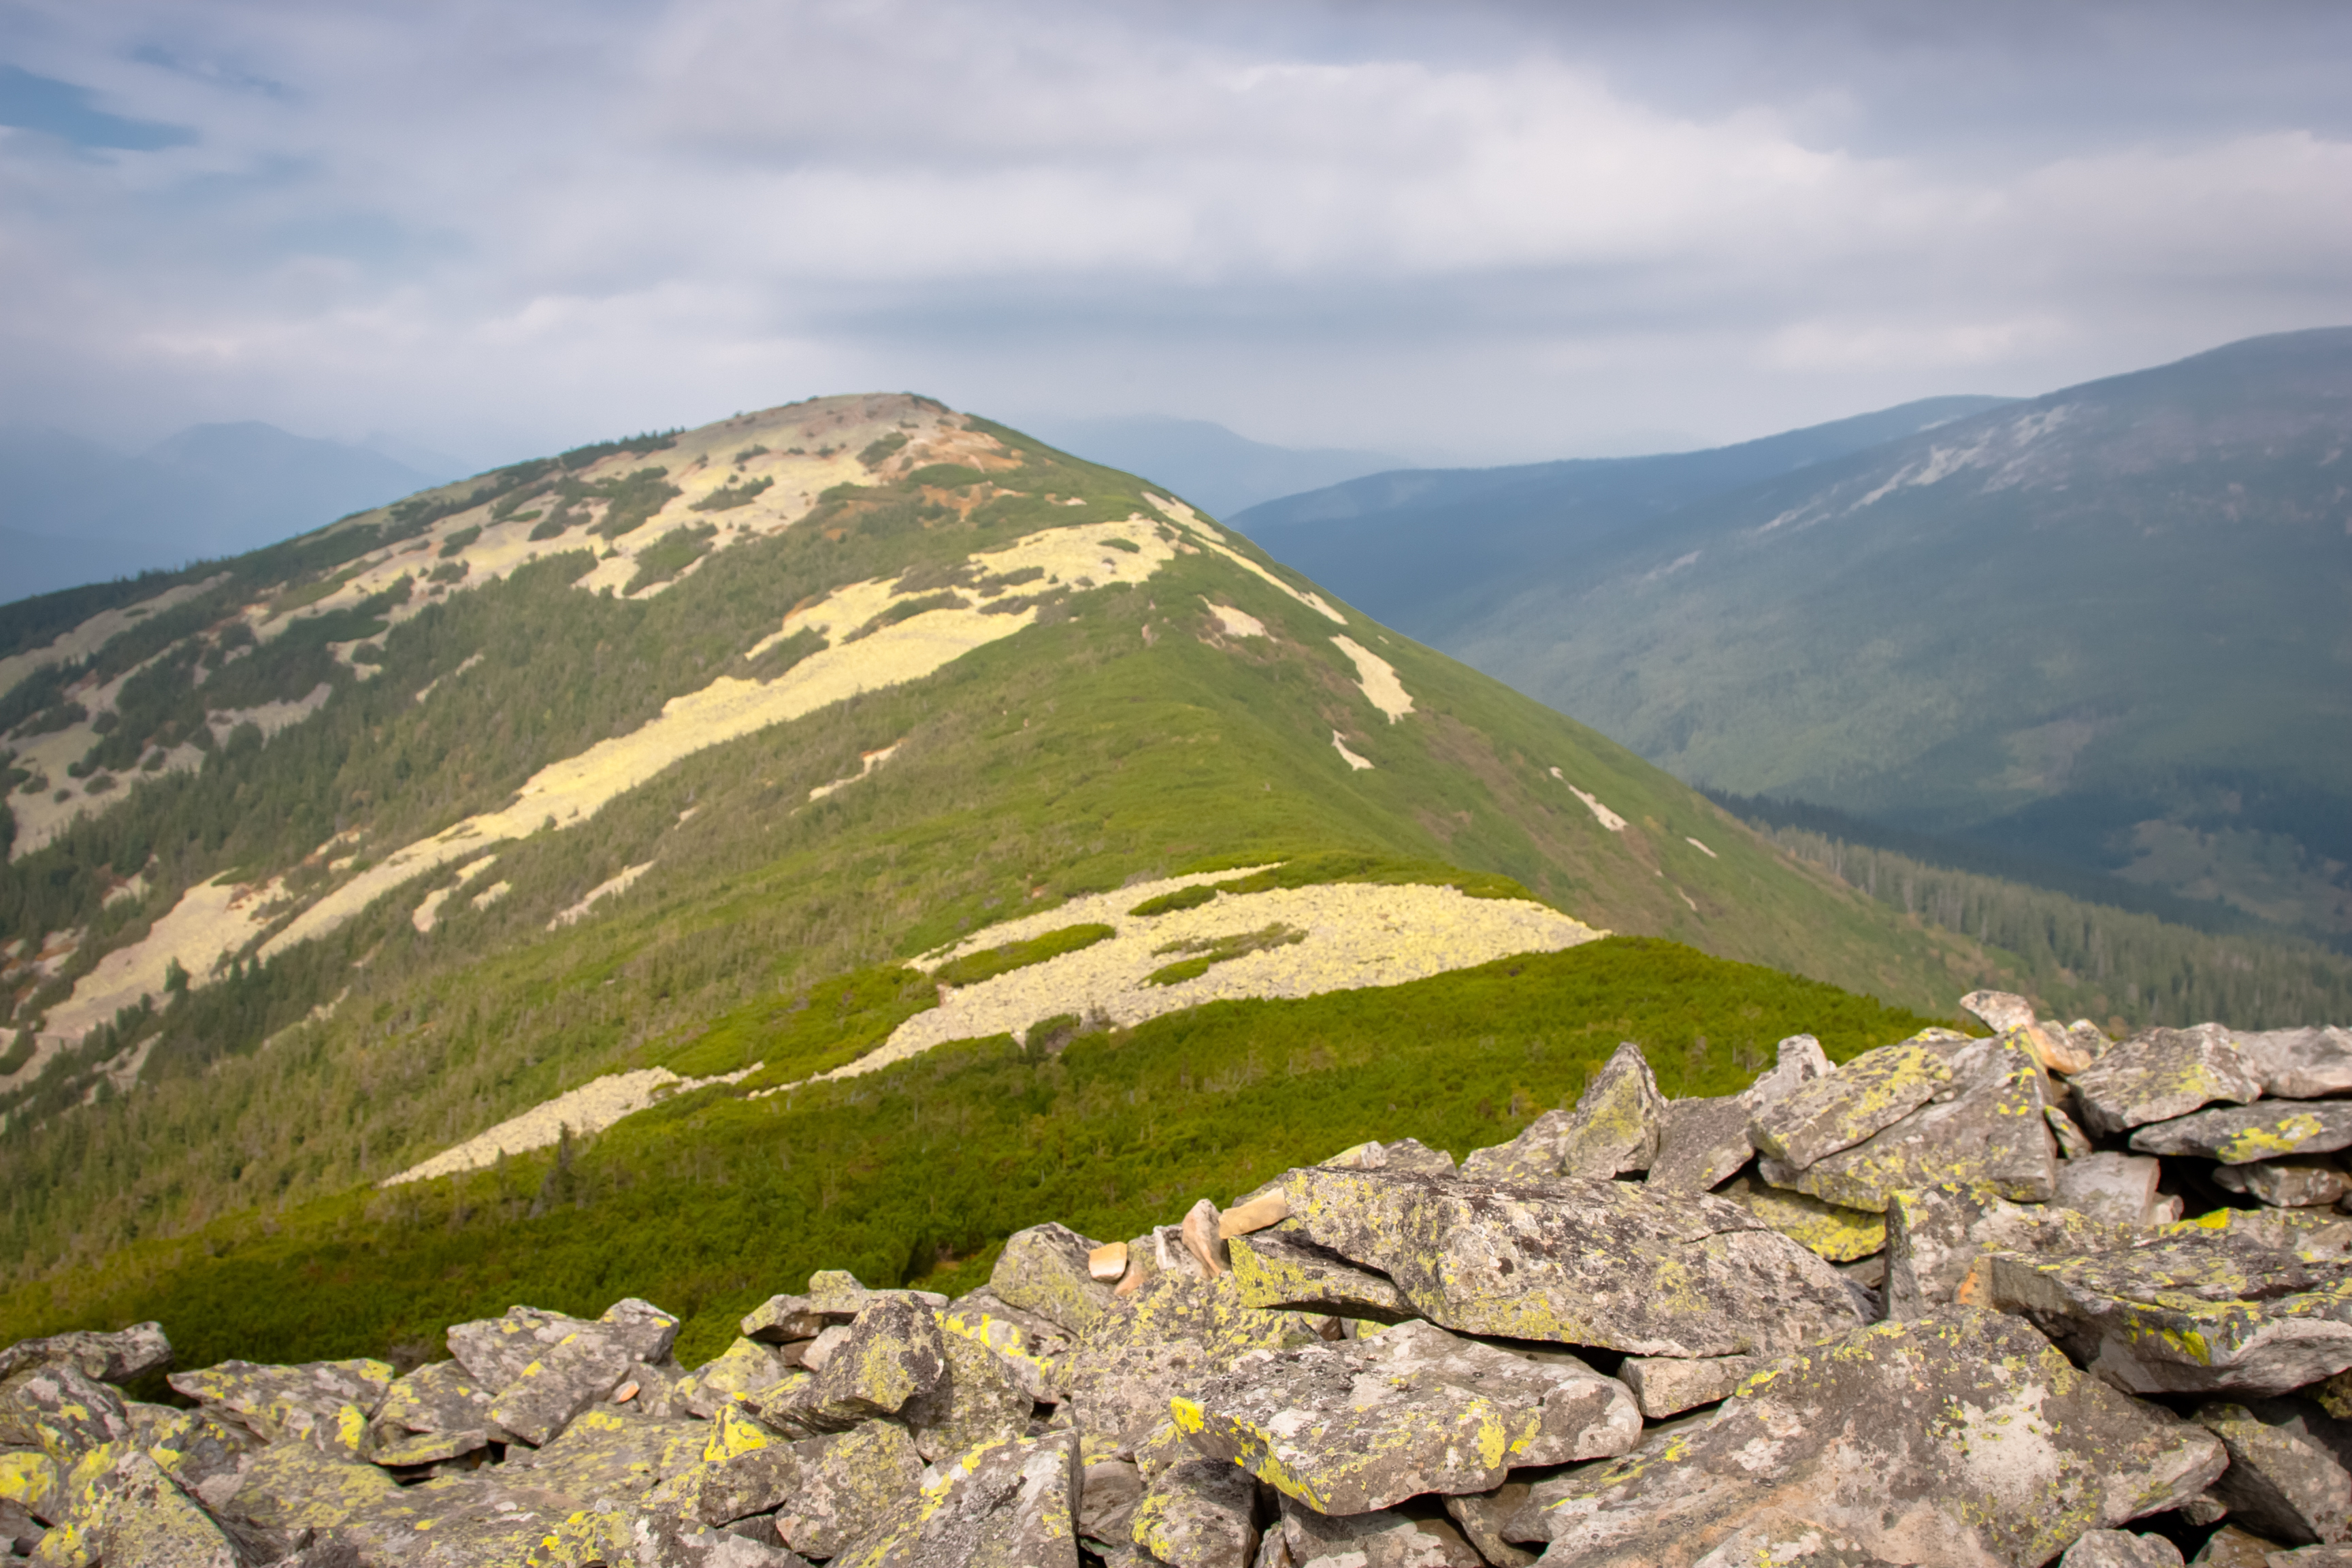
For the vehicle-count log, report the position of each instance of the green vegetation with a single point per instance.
(881, 449)
(454, 542)
(636, 445)
(1210, 952)
(670, 554)
(973, 968)
(733, 494)
(632, 498)
(708, 1203)
(550, 527)
(1181, 898)
(946, 477)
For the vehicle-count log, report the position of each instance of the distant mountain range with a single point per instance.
(1218, 472)
(73, 511)
(2105, 625)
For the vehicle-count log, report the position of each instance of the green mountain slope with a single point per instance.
(726, 791)
(2104, 625)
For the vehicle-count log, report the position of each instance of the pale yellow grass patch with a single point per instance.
(427, 914)
(432, 684)
(567, 792)
(1377, 677)
(93, 634)
(211, 922)
(611, 886)
(1701, 848)
(591, 1108)
(492, 894)
(1339, 744)
(866, 762)
(1600, 813)
(1358, 935)
(1207, 534)
(1235, 622)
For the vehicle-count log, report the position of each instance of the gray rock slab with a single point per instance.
(496, 1350)
(607, 1453)
(2112, 1187)
(116, 1357)
(2239, 1134)
(1030, 1344)
(2231, 1547)
(846, 1481)
(1278, 1268)
(124, 1509)
(744, 1367)
(1618, 1122)
(207, 1457)
(1011, 1503)
(1904, 1439)
(1215, 1314)
(1530, 1159)
(1935, 1233)
(1366, 1423)
(2197, 1311)
(1874, 1091)
(1797, 1061)
(1481, 1517)
(57, 1410)
(1109, 1493)
(2158, 1075)
(441, 1397)
(2120, 1549)
(894, 1355)
(781, 1320)
(2073, 1144)
(1387, 1537)
(2307, 1182)
(1704, 1145)
(978, 1400)
(1118, 1394)
(2282, 1481)
(2299, 1064)
(1665, 1385)
(1043, 1270)
(2001, 1010)
(836, 1294)
(278, 1402)
(564, 1380)
(1197, 1514)
(1607, 1264)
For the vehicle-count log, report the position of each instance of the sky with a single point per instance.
(1466, 232)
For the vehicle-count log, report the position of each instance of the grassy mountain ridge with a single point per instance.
(451, 809)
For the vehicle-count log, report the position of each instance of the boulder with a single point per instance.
(1364, 1425)
(2239, 1134)
(1197, 1514)
(1481, 1516)
(1874, 1090)
(2158, 1075)
(329, 1403)
(1608, 1264)
(1204, 1241)
(1615, 1128)
(436, 1412)
(2231, 1547)
(1665, 1385)
(1280, 1269)
(2289, 1475)
(835, 1294)
(608, 1454)
(116, 1357)
(1702, 1146)
(745, 1469)
(1935, 1233)
(496, 1350)
(745, 1367)
(1119, 1393)
(570, 1376)
(295, 1486)
(1408, 1154)
(207, 1457)
(1791, 1545)
(2307, 1182)
(2120, 1549)
(894, 1355)
(2298, 1064)
(2073, 1144)
(1014, 1502)
(2001, 1010)
(2197, 1311)
(1823, 1229)
(60, 1411)
(121, 1507)
(781, 1320)
(2116, 1189)
(1982, 1123)
(1030, 1345)
(1046, 1270)
(454, 1521)
(1911, 1440)
(1108, 1493)
(844, 1483)
(814, 1353)
(1388, 1538)
(978, 1400)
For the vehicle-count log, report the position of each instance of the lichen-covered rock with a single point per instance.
(780, 1319)
(2307, 1182)
(1215, 1314)
(329, 1403)
(1985, 1124)
(2298, 1064)
(745, 1367)
(844, 1482)
(1963, 1437)
(1030, 1345)
(2197, 1311)
(116, 1357)
(1407, 1154)
(119, 1507)
(1824, 1230)
(570, 1377)
(1280, 1269)
(1044, 1269)
(1014, 1503)
(2115, 1188)
(1197, 1514)
(207, 1457)
(608, 1454)
(2073, 1144)
(2289, 1475)
(893, 1356)
(32, 1480)
(1119, 1393)
(2120, 1549)
(496, 1350)
(2158, 1075)
(1618, 1121)
(1791, 1545)
(296, 1485)
(1668, 1385)
(60, 1411)
(745, 1469)
(1363, 1424)
(1874, 1090)
(1590, 1263)
(2239, 1134)
(1387, 1537)
(978, 1400)
(835, 1295)
(1481, 1516)
(1934, 1233)
(1704, 1144)
(478, 1521)
(2001, 1010)
(436, 1413)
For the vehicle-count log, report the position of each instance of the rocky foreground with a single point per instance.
(1937, 1306)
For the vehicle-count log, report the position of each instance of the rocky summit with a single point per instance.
(1983, 1301)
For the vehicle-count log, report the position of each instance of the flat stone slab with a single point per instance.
(2117, 1188)
(1608, 1264)
(894, 1356)
(2239, 1134)
(1279, 1269)
(1011, 1503)
(1044, 1269)
(1366, 1423)
(1385, 1538)
(1704, 1145)
(2299, 1064)
(1935, 1233)
(1664, 1385)
(1874, 1091)
(310, 1400)
(2309, 1182)
(2161, 1074)
(2286, 1480)
(1961, 1438)
(1824, 1230)
(2197, 1312)
(116, 1357)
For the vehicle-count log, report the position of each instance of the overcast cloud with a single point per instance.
(1486, 233)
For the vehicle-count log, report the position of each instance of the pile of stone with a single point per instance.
(1938, 1305)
